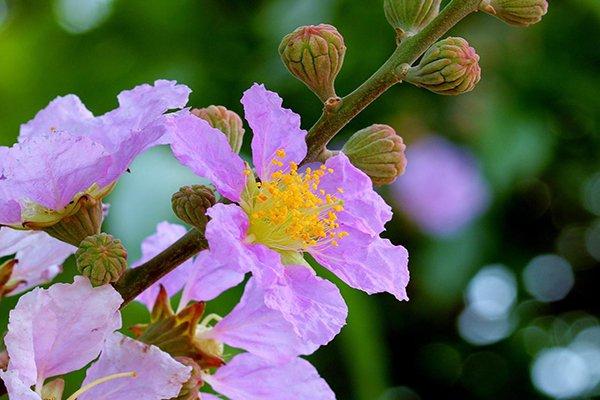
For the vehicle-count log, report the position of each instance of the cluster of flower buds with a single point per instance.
(408, 17)
(190, 204)
(226, 121)
(315, 54)
(516, 12)
(102, 258)
(449, 67)
(379, 152)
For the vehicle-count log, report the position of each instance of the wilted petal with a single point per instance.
(65, 113)
(205, 151)
(314, 306)
(254, 327)
(16, 388)
(364, 209)
(274, 128)
(208, 278)
(248, 377)
(158, 375)
(373, 265)
(61, 329)
(166, 234)
(51, 170)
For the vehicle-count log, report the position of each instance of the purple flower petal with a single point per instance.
(254, 327)
(166, 234)
(208, 278)
(51, 170)
(208, 396)
(158, 375)
(61, 329)
(16, 388)
(66, 113)
(10, 210)
(373, 265)
(247, 377)
(314, 306)
(40, 256)
(274, 128)
(205, 151)
(364, 209)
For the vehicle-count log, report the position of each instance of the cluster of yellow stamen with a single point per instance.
(292, 212)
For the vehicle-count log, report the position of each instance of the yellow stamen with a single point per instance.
(97, 382)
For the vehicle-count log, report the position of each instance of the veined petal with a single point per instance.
(16, 388)
(166, 234)
(370, 264)
(58, 330)
(364, 209)
(248, 377)
(66, 113)
(256, 328)
(10, 210)
(207, 153)
(51, 170)
(274, 128)
(208, 278)
(158, 375)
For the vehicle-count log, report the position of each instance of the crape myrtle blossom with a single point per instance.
(61, 329)
(330, 212)
(66, 152)
(271, 365)
(443, 189)
(38, 259)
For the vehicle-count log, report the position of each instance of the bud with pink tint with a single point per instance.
(516, 12)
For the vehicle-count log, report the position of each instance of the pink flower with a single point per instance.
(39, 258)
(59, 330)
(65, 152)
(331, 212)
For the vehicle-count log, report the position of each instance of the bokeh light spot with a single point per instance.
(480, 330)
(492, 292)
(592, 241)
(560, 373)
(548, 278)
(591, 194)
(79, 16)
(3, 12)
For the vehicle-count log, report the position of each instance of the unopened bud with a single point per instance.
(226, 121)
(191, 202)
(315, 54)
(377, 151)
(409, 17)
(449, 67)
(516, 12)
(102, 258)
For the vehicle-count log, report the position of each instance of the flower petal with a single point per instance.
(61, 329)
(65, 113)
(10, 210)
(247, 377)
(51, 170)
(208, 278)
(314, 306)
(254, 327)
(364, 209)
(373, 265)
(207, 153)
(274, 128)
(166, 234)
(40, 256)
(158, 375)
(16, 388)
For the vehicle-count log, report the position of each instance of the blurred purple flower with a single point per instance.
(65, 151)
(331, 212)
(443, 189)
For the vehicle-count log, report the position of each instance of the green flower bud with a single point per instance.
(409, 17)
(102, 258)
(315, 54)
(379, 152)
(191, 202)
(226, 121)
(516, 12)
(449, 67)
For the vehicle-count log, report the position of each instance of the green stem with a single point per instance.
(390, 73)
(136, 280)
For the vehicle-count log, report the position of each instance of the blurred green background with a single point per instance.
(532, 123)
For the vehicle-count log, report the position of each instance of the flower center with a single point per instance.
(291, 212)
